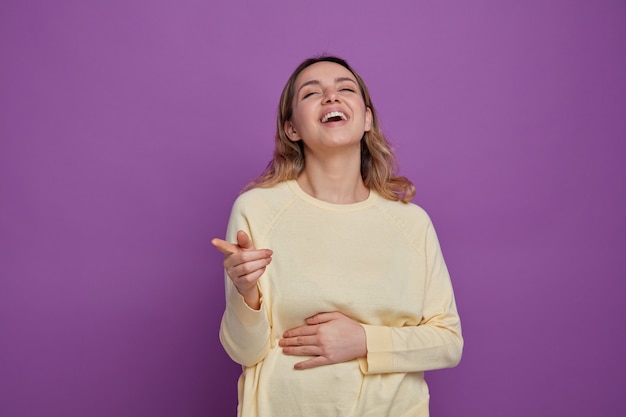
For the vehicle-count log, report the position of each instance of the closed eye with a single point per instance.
(309, 94)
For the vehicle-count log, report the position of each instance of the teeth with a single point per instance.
(333, 114)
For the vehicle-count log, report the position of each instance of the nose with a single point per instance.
(330, 96)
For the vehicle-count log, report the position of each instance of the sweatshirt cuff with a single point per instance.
(246, 315)
(379, 350)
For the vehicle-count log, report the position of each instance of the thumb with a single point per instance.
(320, 318)
(244, 241)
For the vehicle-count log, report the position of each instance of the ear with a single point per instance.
(368, 119)
(291, 132)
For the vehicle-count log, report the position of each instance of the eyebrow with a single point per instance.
(337, 80)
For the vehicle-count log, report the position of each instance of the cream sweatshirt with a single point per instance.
(376, 261)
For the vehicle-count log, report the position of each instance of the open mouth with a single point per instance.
(334, 116)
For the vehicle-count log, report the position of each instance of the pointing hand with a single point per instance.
(244, 265)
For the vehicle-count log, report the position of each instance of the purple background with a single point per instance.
(128, 127)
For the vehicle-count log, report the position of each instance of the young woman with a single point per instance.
(350, 301)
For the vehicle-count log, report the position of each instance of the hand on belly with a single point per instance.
(328, 337)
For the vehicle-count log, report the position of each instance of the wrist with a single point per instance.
(252, 297)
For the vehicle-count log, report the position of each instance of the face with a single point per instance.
(328, 111)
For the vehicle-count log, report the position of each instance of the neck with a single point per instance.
(335, 179)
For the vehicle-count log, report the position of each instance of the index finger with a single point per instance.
(224, 247)
(301, 331)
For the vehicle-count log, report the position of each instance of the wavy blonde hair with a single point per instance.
(378, 163)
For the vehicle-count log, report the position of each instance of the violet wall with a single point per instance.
(128, 127)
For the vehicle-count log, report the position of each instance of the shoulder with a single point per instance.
(256, 210)
(263, 201)
(407, 213)
(409, 219)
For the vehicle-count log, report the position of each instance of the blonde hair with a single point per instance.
(378, 163)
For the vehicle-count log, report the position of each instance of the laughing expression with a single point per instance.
(328, 108)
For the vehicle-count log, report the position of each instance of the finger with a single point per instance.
(312, 363)
(323, 317)
(298, 341)
(302, 351)
(247, 282)
(241, 259)
(250, 255)
(224, 247)
(300, 331)
(249, 267)
(243, 240)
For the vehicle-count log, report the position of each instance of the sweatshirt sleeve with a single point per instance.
(436, 342)
(244, 332)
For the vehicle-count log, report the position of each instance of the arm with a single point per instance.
(436, 342)
(245, 329)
